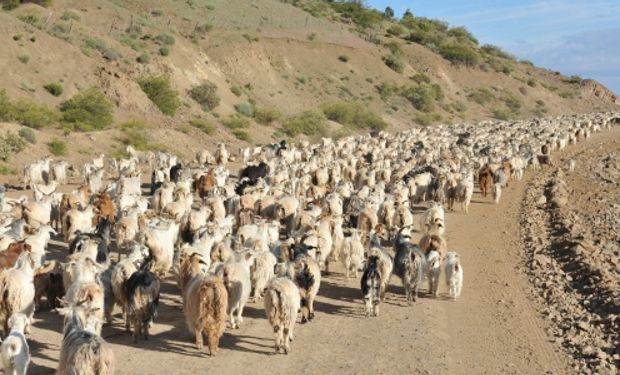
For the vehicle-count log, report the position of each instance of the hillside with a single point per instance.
(269, 60)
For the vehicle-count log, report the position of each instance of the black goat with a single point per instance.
(254, 172)
(142, 292)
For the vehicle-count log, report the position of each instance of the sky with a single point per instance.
(575, 37)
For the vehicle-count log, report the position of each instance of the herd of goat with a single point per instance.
(268, 233)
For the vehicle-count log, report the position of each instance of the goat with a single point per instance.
(432, 270)
(371, 286)
(261, 272)
(9, 257)
(142, 293)
(17, 291)
(454, 274)
(408, 265)
(236, 277)
(282, 302)
(15, 352)
(384, 267)
(83, 351)
(352, 254)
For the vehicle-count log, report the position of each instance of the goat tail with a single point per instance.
(213, 299)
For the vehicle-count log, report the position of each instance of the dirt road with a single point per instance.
(493, 328)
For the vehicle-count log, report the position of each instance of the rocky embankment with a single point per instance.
(570, 228)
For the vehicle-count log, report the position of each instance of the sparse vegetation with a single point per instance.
(236, 122)
(28, 135)
(459, 54)
(531, 82)
(203, 125)
(94, 43)
(164, 51)
(513, 103)
(394, 62)
(426, 119)
(137, 134)
(354, 115)
(311, 37)
(501, 114)
(144, 58)
(69, 15)
(24, 58)
(6, 170)
(31, 114)
(10, 144)
(206, 95)
(87, 111)
(236, 90)
(481, 96)
(567, 95)
(54, 88)
(242, 135)
(57, 147)
(343, 58)
(423, 96)
(166, 39)
(161, 93)
(267, 116)
(309, 123)
(245, 108)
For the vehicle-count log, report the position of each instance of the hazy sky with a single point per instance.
(573, 36)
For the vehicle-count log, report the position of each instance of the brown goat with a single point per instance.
(205, 184)
(9, 256)
(105, 207)
(48, 283)
(485, 180)
(433, 242)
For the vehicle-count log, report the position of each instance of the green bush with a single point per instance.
(236, 122)
(267, 116)
(387, 89)
(242, 135)
(68, 15)
(57, 147)
(165, 39)
(567, 95)
(31, 19)
(421, 78)
(501, 114)
(394, 48)
(396, 30)
(309, 123)
(26, 112)
(513, 103)
(395, 63)
(236, 90)
(144, 58)
(54, 88)
(481, 96)
(531, 82)
(343, 58)
(459, 54)
(6, 170)
(164, 51)
(206, 95)
(137, 135)
(492, 50)
(161, 93)
(245, 108)
(426, 119)
(423, 96)
(28, 135)
(87, 111)
(202, 125)
(10, 4)
(355, 115)
(459, 106)
(100, 45)
(24, 58)
(10, 144)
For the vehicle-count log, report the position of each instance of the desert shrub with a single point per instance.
(567, 95)
(28, 135)
(203, 125)
(6, 170)
(130, 41)
(531, 82)
(26, 112)
(24, 58)
(236, 122)
(88, 110)
(164, 51)
(492, 50)
(54, 88)
(267, 116)
(459, 106)
(387, 89)
(421, 78)
(161, 93)
(165, 39)
(206, 95)
(459, 54)
(242, 135)
(57, 147)
(5, 106)
(523, 91)
(396, 30)
(137, 134)
(236, 90)
(144, 58)
(422, 96)
(68, 15)
(10, 144)
(395, 63)
(513, 103)
(573, 80)
(31, 19)
(394, 48)
(10, 4)
(245, 108)
(343, 58)
(540, 103)
(426, 119)
(311, 37)
(481, 96)
(94, 43)
(308, 123)
(353, 115)
(501, 114)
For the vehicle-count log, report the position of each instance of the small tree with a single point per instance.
(388, 13)
(87, 110)
(206, 95)
(160, 91)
